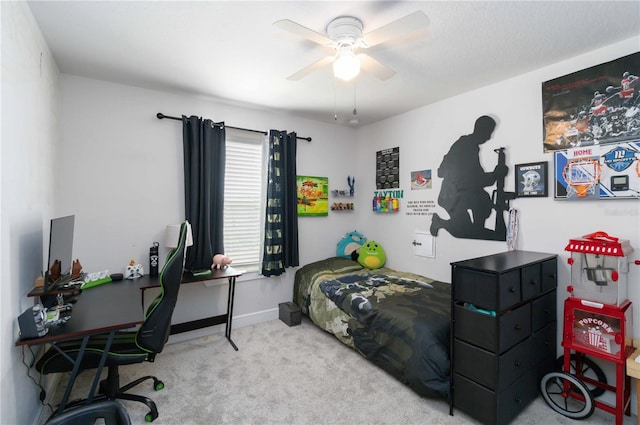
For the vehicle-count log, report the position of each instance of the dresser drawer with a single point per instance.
(490, 370)
(495, 334)
(488, 291)
(491, 407)
(543, 311)
(544, 343)
(531, 278)
(549, 274)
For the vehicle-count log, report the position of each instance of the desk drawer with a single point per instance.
(495, 334)
(490, 370)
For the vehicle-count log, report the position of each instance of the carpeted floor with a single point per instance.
(290, 375)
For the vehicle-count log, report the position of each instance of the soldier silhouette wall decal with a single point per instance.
(463, 194)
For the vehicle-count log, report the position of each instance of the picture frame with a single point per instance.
(591, 107)
(313, 196)
(531, 179)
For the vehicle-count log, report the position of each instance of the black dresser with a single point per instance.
(503, 335)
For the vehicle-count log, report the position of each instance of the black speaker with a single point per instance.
(32, 322)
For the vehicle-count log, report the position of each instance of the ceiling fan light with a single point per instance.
(346, 66)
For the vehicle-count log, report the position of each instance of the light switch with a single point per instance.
(423, 245)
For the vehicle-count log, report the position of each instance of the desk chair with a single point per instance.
(109, 411)
(128, 347)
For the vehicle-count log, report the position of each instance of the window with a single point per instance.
(244, 198)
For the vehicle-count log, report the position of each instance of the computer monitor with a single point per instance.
(60, 252)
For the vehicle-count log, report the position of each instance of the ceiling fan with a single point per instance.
(344, 35)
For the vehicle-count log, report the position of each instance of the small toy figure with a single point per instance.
(76, 269)
(220, 261)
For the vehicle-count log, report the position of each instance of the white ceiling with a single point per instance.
(231, 51)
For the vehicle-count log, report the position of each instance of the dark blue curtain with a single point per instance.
(204, 166)
(281, 218)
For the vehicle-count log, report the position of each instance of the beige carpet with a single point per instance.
(290, 375)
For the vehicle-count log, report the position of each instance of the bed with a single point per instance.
(399, 321)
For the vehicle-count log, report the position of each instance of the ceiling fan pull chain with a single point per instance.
(335, 111)
(355, 112)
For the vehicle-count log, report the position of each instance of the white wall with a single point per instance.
(28, 152)
(425, 136)
(123, 179)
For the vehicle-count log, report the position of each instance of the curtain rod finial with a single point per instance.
(160, 115)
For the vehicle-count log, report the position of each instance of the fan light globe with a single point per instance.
(346, 66)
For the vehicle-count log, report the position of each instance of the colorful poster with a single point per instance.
(597, 105)
(313, 195)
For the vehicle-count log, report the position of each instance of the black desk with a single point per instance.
(147, 282)
(104, 309)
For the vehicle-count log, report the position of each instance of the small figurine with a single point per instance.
(351, 181)
(76, 269)
(220, 261)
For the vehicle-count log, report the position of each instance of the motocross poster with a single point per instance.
(595, 106)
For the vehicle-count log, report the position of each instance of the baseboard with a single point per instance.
(238, 322)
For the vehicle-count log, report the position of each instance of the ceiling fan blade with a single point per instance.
(416, 21)
(311, 68)
(302, 31)
(372, 66)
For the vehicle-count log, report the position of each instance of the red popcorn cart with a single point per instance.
(597, 322)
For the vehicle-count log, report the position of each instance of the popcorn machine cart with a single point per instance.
(597, 322)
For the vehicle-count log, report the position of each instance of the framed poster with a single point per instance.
(313, 195)
(388, 168)
(531, 179)
(421, 180)
(597, 105)
(598, 172)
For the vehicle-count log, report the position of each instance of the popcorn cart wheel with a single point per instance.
(588, 369)
(567, 395)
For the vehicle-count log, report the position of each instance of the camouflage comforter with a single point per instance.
(400, 321)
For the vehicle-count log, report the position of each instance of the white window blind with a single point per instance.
(244, 198)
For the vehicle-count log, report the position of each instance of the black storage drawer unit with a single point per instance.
(503, 332)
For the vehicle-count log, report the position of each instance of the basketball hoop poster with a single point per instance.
(598, 172)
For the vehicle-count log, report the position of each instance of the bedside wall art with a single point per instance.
(313, 195)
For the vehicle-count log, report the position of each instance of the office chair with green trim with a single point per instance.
(128, 347)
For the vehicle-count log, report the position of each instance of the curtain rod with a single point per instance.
(160, 116)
